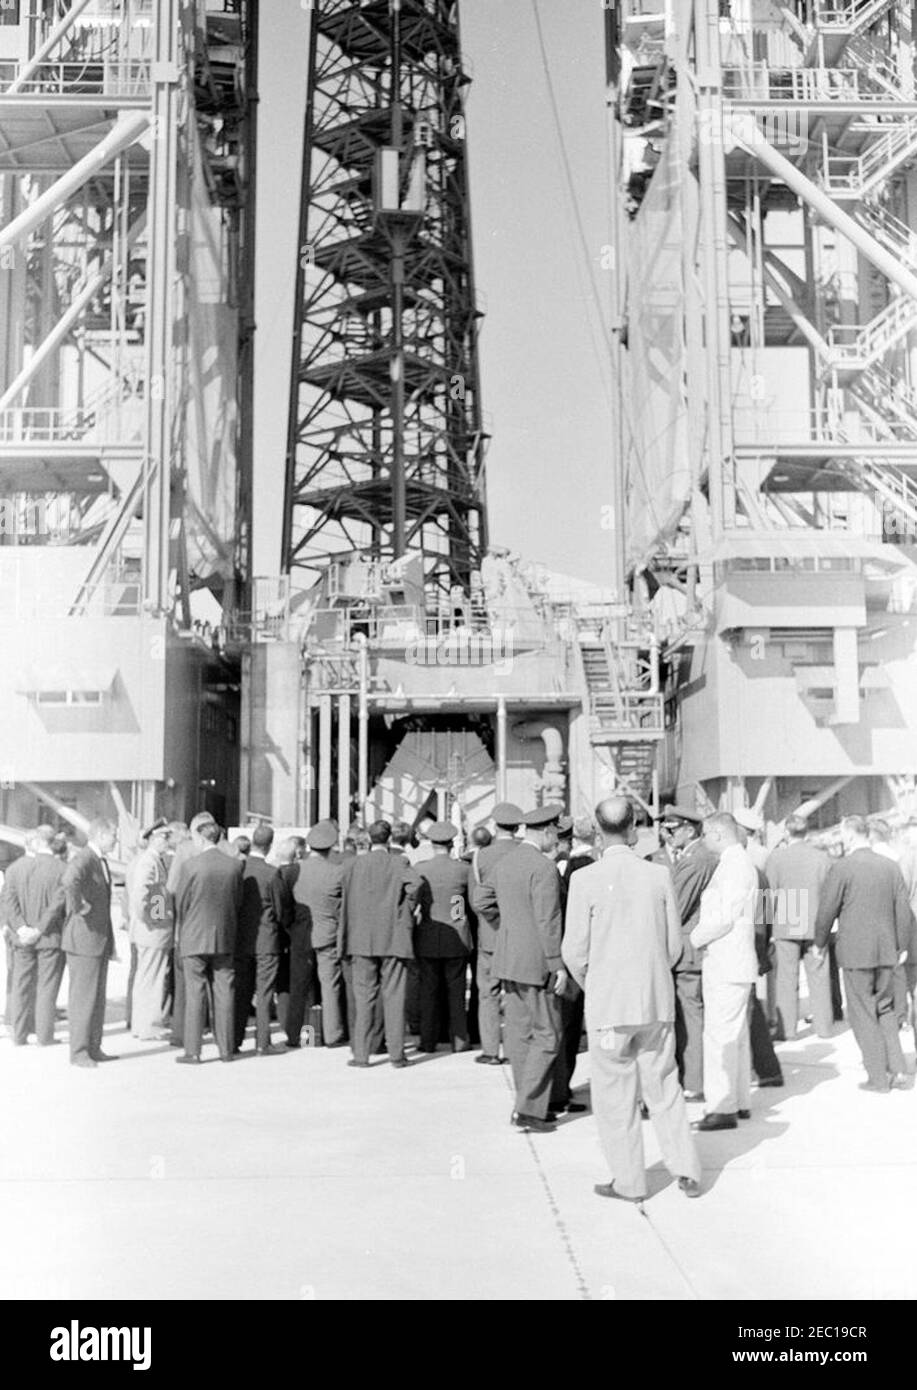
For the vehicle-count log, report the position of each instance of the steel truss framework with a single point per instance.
(385, 445)
(812, 113)
(96, 116)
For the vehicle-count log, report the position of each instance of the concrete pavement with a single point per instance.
(295, 1177)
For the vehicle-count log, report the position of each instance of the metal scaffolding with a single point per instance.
(386, 443)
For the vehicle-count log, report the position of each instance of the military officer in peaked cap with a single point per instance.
(319, 889)
(442, 939)
(524, 888)
(507, 818)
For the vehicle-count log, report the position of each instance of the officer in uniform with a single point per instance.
(442, 939)
(507, 819)
(693, 869)
(524, 891)
(319, 889)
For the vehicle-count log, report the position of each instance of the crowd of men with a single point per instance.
(544, 929)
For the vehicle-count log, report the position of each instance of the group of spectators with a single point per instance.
(683, 965)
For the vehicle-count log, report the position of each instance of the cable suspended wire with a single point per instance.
(604, 363)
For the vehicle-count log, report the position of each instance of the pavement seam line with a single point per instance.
(561, 1226)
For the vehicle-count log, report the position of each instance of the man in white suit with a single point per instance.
(726, 929)
(623, 936)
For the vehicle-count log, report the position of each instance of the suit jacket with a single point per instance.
(796, 875)
(267, 908)
(623, 937)
(87, 928)
(443, 929)
(524, 888)
(693, 870)
(208, 900)
(150, 908)
(482, 864)
(33, 896)
(726, 925)
(319, 890)
(865, 893)
(380, 891)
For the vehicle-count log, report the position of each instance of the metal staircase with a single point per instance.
(855, 176)
(626, 719)
(854, 347)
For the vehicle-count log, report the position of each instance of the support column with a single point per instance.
(344, 816)
(324, 757)
(501, 749)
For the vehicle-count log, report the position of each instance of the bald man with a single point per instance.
(622, 939)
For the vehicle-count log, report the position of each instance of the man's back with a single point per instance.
(319, 887)
(208, 898)
(259, 928)
(87, 929)
(483, 863)
(865, 892)
(796, 873)
(622, 938)
(379, 891)
(526, 886)
(443, 928)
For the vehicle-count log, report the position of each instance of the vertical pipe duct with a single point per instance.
(343, 761)
(324, 757)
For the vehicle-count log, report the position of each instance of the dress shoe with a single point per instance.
(769, 1081)
(83, 1062)
(342, 1043)
(744, 1114)
(715, 1121)
(52, 1042)
(533, 1123)
(461, 1046)
(105, 1057)
(692, 1096)
(607, 1189)
(689, 1186)
(644, 1112)
(483, 1059)
(292, 1046)
(187, 1061)
(354, 1063)
(270, 1051)
(572, 1107)
(876, 1086)
(401, 1062)
(228, 1056)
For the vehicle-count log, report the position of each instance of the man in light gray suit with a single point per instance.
(623, 938)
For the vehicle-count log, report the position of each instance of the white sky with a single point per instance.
(545, 385)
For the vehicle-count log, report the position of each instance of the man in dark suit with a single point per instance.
(32, 909)
(796, 873)
(442, 940)
(507, 819)
(208, 900)
(380, 892)
(89, 943)
(694, 867)
(580, 854)
(318, 891)
(267, 909)
(524, 888)
(866, 895)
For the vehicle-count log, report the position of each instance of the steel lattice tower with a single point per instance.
(385, 446)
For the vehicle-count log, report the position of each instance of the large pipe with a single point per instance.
(501, 749)
(745, 132)
(51, 42)
(343, 761)
(553, 781)
(125, 132)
